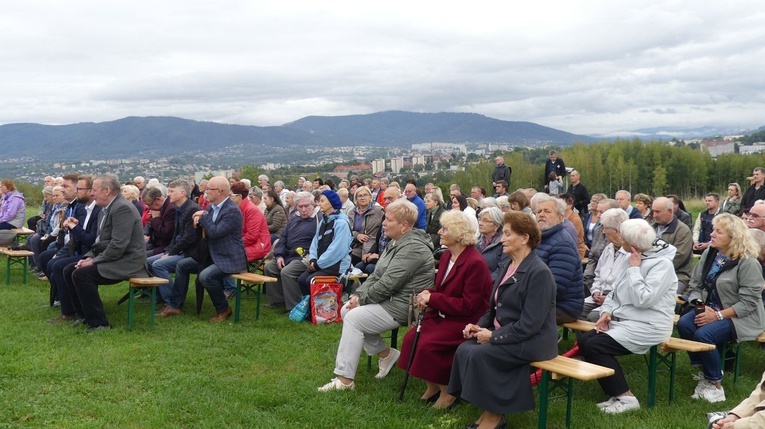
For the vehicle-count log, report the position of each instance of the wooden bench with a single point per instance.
(136, 283)
(15, 257)
(252, 280)
(659, 355)
(558, 373)
(21, 233)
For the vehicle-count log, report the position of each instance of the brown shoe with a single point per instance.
(169, 311)
(61, 318)
(221, 316)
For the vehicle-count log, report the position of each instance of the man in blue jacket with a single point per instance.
(559, 251)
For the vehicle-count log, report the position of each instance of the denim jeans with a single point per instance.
(162, 267)
(183, 269)
(717, 333)
(212, 279)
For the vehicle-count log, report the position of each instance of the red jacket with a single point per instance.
(257, 239)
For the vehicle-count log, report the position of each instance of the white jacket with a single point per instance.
(611, 265)
(642, 303)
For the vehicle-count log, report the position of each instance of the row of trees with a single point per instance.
(655, 168)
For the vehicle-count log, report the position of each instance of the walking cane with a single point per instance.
(411, 355)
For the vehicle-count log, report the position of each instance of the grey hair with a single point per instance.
(256, 192)
(613, 218)
(638, 233)
(610, 202)
(279, 183)
(624, 192)
(48, 190)
(109, 181)
(263, 176)
(487, 202)
(668, 204)
(302, 195)
(181, 184)
(539, 198)
(495, 215)
(503, 202)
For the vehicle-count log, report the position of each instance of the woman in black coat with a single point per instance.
(491, 369)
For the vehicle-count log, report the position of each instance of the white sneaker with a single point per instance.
(622, 404)
(710, 393)
(386, 364)
(607, 402)
(700, 386)
(336, 384)
(700, 375)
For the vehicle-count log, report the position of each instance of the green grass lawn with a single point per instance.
(187, 373)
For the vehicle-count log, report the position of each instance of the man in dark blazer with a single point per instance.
(184, 239)
(118, 254)
(82, 229)
(222, 223)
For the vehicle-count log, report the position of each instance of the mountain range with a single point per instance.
(162, 136)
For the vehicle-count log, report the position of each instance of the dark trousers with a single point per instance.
(83, 289)
(601, 349)
(304, 281)
(55, 272)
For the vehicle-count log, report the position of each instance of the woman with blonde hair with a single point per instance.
(726, 288)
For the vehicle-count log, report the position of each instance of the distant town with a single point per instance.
(420, 159)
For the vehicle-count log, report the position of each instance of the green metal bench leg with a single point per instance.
(153, 305)
(544, 399)
(7, 270)
(653, 365)
(131, 304)
(24, 275)
(737, 365)
(257, 309)
(672, 377)
(569, 401)
(565, 333)
(238, 300)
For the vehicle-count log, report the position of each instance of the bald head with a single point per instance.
(391, 194)
(663, 210)
(218, 189)
(756, 217)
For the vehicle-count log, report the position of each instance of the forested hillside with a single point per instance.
(655, 168)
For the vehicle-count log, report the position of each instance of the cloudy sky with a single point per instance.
(590, 67)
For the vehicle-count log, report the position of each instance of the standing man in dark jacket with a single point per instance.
(554, 165)
(580, 193)
(501, 172)
(756, 191)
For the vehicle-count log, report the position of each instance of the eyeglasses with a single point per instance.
(753, 216)
(213, 189)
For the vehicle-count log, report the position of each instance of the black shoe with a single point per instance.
(92, 329)
(434, 397)
(77, 322)
(275, 305)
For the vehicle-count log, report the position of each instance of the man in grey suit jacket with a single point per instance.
(118, 254)
(222, 222)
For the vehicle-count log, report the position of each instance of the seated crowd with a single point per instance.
(511, 267)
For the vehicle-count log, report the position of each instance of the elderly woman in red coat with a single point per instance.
(460, 296)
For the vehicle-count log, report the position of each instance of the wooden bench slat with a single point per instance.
(254, 278)
(679, 344)
(147, 281)
(16, 253)
(567, 367)
(580, 325)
